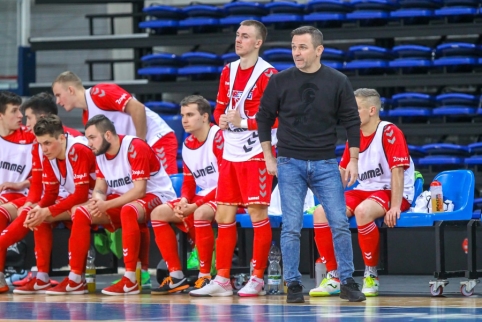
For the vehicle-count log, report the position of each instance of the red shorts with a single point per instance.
(149, 202)
(11, 196)
(188, 223)
(244, 183)
(19, 202)
(382, 197)
(166, 150)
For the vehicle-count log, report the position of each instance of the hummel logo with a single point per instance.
(389, 134)
(201, 263)
(129, 289)
(254, 262)
(392, 140)
(368, 255)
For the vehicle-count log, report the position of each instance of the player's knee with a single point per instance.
(319, 215)
(162, 213)
(203, 214)
(361, 213)
(258, 213)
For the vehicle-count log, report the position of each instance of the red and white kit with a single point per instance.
(243, 182)
(110, 100)
(379, 154)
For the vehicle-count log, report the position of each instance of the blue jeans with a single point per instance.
(323, 178)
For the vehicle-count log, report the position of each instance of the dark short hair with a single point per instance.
(316, 35)
(8, 98)
(102, 123)
(259, 26)
(50, 124)
(41, 103)
(203, 105)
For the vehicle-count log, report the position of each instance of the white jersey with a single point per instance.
(118, 174)
(243, 144)
(374, 172)
(15, 163)
(202, 163)
(67, 185)
(156, 126)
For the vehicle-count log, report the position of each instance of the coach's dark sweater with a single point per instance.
(308, 106)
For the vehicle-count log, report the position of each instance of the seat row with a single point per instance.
(168, 18)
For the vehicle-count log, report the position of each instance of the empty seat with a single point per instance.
(175, 123)
(158, 73)
(459, 10)
(457, 56)
(201, 65)
(327, 12)
(333, 58)
(162, 59)
(412, 58)
(241, 10)
(446, 149)
(368, 59)
(165, 19)
(283, 14)
(372, 12)
(162, 107)
(456, 104)
(280, 58)
(475, 148)
(416, 11)
(411, 105)
(229, 57)
(202, 18)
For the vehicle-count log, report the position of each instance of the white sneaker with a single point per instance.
(214, 288)
(328, 286)
(370, 286)
(254, 287)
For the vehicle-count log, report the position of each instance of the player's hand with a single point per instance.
(234, 117)
(223, 122)
(11, 186)
(272, 166)
(19, 210)
(391, 217)
(351, 172)
(35, 217)
(97, 207)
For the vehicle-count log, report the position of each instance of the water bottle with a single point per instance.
(90, 271)
(274, 270)
(436, 195)
(139, 275)
(320, 271)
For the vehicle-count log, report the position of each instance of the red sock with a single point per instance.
(324, 243)
(205, 244)
(261, 246)
(167, 243)
(145, 245)
(79, 242)
(131, 236)
(14, 233)
(43, 237)
(369, 237)
(225, 245)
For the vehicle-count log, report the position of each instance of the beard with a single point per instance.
(103, 148)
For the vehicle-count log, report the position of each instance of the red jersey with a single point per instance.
(251, 104)
(21, 135)
(109, 97)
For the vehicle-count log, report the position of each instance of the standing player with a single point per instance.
(68, 163)
(137, 183)
(386, 179)
(244, 179)
(202, 154)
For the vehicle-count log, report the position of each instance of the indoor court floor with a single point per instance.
(402, 298)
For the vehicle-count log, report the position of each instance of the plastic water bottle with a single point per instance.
(274, 270)
(90, 271)
(436, 195)
(320, 271)
(139, 275)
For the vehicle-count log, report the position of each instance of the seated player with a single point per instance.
(202, 153)
(386, 188)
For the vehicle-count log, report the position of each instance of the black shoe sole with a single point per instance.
(360, 299)
(296, 300)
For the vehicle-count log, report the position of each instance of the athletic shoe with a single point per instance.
(3, 284)
(34, 286)
(202, 281)
(370, 286)
(145, 280)
(28, 278)
(351, 292)
(214, 288)
(123, 287)
(254, 287)
(295, 293)
(67, 286)
(171, 285)
(328, 286)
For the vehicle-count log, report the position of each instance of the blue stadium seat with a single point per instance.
(160, 66)
(164, 12)
(459, 10)
(339, 149)
(372, 12)
(280, 58)
(162, 59)
(446, 149)
(158, 73)
(412, 58)
(201, 65)
(456, 104)
(416, 11)
(202, 18)
(162, 107)
(174, 122)
(283, 14)
(333, 58)
(457, 56)
(327, 13)
(412, 105)
(475, 148)
(241, 10)
(177, 180)
(165, 19)
(473, 160)
(458, 186)
(229, 57)
(368, 59)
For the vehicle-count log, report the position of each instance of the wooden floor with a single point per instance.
(182, 307)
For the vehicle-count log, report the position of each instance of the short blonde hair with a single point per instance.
(371, 96)
(68, 77)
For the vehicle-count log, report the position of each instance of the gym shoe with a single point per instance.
(328, 286)
(123, 287)
(145, 280)
(3, 284)
(370, 286)
(350, 291)
(34, 286)
(254, 287)
(202, 281)
(28, 278)
(295, 293)
(214, 288)
(171, 285)
(67, 286)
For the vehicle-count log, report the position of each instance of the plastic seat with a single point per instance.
(446, 149)
(158, 73)
(412, 58)
(339, 149)
(165, 19)
(416, 151)
(416, 11)
(164, 12)
(456, 104)
(199, 10)
(201, 65)
(372, 12)
(229, 57)
(280, 58)
(333, 58)
(202, 18)
(410, 112)
(240, 10)
(473, 160)
(162, 59)
(371, 59)
(411, 99)
(177, 180)
(327, 12)
(283, 14)
(174, 122)
(441, 160)
(162, 107)
(475, 148)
